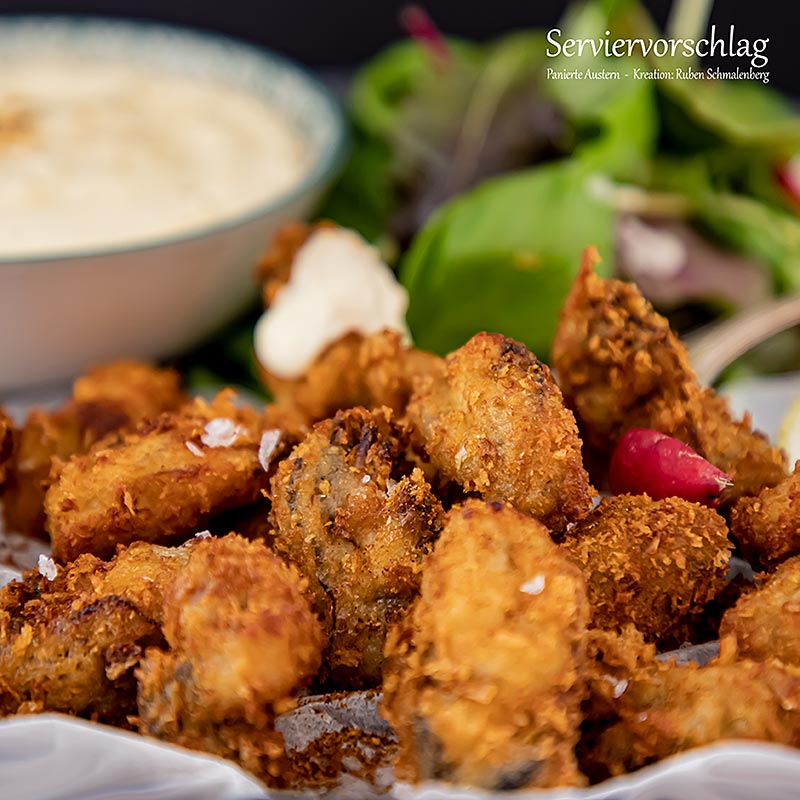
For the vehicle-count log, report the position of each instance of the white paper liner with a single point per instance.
(53, 757)
(698, 653)
(319, 714)
(729, 771)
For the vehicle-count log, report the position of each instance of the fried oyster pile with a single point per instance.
(420, 527)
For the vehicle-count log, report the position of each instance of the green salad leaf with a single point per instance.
(705, 113)
(748, 226)
(426, 130)
(402, 72)
(620, 114)
(702, 113)
(502, 257)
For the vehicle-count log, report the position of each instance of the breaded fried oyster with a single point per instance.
(112, 397)
(159, 483)
(655, 564)
(620, 367)
(767, 527)
(662, 708)
(765, 623)
(484, 676)
(69, 640)
(240, 633)
(242, 639)
(493, 421)
(356, 519)
(357, 370)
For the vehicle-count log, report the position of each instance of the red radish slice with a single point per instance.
(652, 463)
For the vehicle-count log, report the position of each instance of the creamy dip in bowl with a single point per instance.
(142, 170)
(100, 155)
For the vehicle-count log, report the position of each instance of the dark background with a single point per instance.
(327, 33)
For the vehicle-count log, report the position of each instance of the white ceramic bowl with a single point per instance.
(59, 315)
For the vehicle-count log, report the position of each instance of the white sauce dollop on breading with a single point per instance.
(338, 284)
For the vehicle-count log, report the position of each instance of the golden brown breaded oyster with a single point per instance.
(159, 483)
(652, 563)
(141, 574)
(663, 708)
(357, 370)
(765, 623)
(767, 527)
(620, 367)
(484, 677)
(242, 639)
(68, 643)
(109, 398)
(493, 420)
(356, 520)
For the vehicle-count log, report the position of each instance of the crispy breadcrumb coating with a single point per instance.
(237, 614)
(357, 370)
(109, 398)
(141, 574)
(767, 527)
(160, 483)
(765, 622)
(70, 644)
(242, 639)
(620, 367)
(655, 564)
(493, 421)
(356, 520)
(662, 708)
(484, 676)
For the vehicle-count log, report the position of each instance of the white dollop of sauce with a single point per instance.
(97, 154)
(338, 284)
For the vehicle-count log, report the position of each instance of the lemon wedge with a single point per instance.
(789, 433)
